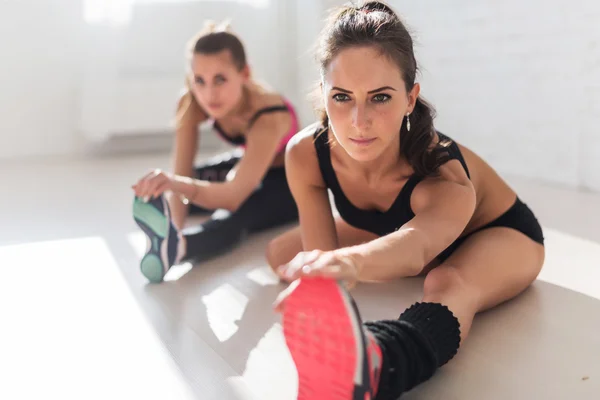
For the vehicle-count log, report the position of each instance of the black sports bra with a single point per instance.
(378, 222)
(239, 139)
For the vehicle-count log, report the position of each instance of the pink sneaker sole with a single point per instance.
(321, 335)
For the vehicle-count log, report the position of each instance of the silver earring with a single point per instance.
(407, 122)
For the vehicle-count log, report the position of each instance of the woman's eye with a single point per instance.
(199, 81)
(339, 97)
(381, 98)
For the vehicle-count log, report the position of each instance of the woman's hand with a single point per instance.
(153, 184)
(326, 264)
(316, 263)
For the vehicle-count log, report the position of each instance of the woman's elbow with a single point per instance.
(237, 199)
(235, 196)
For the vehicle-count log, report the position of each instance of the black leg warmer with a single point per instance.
(426, 336)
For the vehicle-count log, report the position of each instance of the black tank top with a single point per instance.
(239, 139)
(378, 222)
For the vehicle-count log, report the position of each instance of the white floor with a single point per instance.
(79, 321)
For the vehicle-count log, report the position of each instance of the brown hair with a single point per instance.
(211, 39)
(375, 24)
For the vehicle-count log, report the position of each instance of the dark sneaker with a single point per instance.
(336, 358)
(165, 243)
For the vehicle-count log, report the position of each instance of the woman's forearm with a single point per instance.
(184, 153)
(396, 255)
(177, 203)
(179, 210)
(210, 195)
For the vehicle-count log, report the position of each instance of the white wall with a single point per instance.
(134, 86)
(517, 81)
(39, 77)
(66, 83)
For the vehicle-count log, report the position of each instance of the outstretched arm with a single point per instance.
(317, 226)
(261, 147)
(186, 146)
(443, 206)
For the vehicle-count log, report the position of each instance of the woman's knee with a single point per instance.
(443, 279)
(282, 249)
(271, 253)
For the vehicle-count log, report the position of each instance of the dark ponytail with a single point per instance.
(375, 24)
(417, 145)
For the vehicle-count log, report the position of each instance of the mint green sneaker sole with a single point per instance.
(152, 268)
(151, 217)
(156, 226)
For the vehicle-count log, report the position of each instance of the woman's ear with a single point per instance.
(413, 95)
(246, 73)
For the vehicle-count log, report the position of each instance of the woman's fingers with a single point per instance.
(147, 185)
(293, 269)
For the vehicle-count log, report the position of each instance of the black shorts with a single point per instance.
(518, 217)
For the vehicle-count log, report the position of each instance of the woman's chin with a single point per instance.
(216, 113)
(219, 111)
(363, 153)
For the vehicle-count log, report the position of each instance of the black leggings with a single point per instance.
(271, 205)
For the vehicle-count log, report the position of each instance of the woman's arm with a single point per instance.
(262, 141)
(186, 145)
(443, 207)
(317, 225)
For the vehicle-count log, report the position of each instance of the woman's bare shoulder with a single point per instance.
(301, 155)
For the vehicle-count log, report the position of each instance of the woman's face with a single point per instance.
(366, 101)
(217, 82)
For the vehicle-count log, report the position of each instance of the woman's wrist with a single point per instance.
(184, 186)
(355, 257)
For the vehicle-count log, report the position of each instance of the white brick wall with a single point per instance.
(517, 81)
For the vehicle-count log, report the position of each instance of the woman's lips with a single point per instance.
(362, 141)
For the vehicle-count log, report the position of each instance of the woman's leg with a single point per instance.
(284, 247)
(270, 205)
(160, 218)
(390, 357)
(489, 268)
